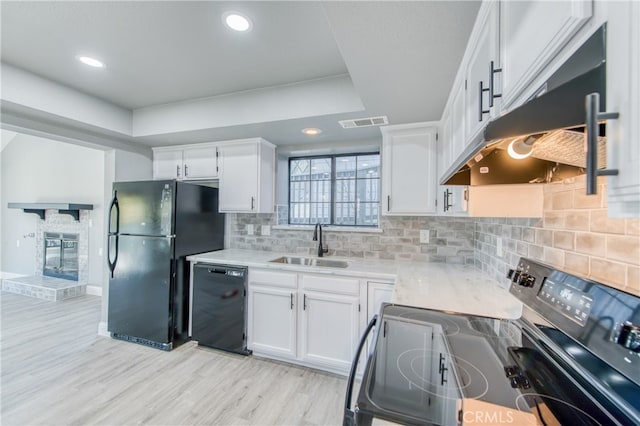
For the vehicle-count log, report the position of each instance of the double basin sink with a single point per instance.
(311, 261)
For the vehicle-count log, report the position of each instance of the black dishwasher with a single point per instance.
(219, 307)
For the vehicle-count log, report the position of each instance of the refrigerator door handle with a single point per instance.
(114, 203)
(112, 264)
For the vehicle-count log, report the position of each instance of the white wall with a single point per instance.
(35, 169)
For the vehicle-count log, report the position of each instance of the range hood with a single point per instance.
(551, 126)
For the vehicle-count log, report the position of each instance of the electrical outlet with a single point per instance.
(499, 247)
(424, 236)
(249, 229)
(266, 230)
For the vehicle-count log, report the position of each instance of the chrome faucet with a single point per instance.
(321, 250)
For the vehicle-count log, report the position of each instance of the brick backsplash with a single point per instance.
(575, 234)
(450, 239)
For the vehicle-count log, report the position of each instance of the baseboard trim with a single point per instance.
(94, 290)
(103, 330)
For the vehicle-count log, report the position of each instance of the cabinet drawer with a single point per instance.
(273, 278)
(330, 284)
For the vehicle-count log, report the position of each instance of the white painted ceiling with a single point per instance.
(401, 57)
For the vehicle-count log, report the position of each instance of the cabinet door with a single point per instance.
(409, 172)
(167, 165)
(623, 96)
(271, 327)
(443, 147)
(455, 200)
(239, 178)
(457, 143)
(377, 294)
(484, 50)
(531, 34)
(200, 163)
(330, 329)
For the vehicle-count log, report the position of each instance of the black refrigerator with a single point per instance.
(153, 226)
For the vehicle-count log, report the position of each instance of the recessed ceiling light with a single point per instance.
(311, 131)
(237, 22)
(92, 62)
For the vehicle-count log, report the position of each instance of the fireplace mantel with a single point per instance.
(72, 209)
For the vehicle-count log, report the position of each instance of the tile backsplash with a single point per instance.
(575, 234)
(450, 239)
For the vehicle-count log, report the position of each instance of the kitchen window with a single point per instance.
(341, 190)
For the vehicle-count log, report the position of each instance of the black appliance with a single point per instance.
(218, 307)
(573, 358)
(153, 226)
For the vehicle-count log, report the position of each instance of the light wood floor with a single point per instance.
(57, 370)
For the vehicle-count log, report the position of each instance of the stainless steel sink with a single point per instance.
(311, 261)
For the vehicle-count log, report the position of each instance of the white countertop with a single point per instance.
(449, 287)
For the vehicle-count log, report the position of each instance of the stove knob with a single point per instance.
(526, 280)
(531, 280)
(515, 275)
(510, 273)
(522, 279)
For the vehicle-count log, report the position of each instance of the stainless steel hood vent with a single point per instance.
(551, 124)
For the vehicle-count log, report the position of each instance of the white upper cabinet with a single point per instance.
(247, 176)
(452, 199)
(167, 164)
(200, 163)
(531, 35)
(456, 120)
(623, 97)
(194, 162)
(480, 82)
(409, 169)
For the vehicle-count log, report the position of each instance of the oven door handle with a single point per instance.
(349, 418)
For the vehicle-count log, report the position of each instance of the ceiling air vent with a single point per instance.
(364, 122)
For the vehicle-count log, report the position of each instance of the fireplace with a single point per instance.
(61, 255)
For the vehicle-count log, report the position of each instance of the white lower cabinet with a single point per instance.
(330, 329)
(377, 294)
(310, 319)
(271, 317)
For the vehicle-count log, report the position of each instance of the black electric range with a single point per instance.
(572, 359)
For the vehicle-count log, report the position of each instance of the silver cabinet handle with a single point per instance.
(304, 302)
(186, 170)
(178, 170)
(388, 203)
(253, 202)
(291, 301)
(592, 106)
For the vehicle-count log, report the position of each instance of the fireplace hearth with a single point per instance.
(62, 258)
